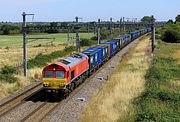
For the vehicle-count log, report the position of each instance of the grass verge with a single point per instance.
(161, 100)
(114, 101)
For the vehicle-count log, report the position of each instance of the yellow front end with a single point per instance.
(54, 84)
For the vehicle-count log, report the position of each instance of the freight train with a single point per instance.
(65, 75)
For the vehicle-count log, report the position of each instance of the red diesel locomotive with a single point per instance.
(65, 74)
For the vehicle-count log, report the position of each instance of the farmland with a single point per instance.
(11, 51)
(16, 40)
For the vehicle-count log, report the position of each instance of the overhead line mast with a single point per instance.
(24, 29)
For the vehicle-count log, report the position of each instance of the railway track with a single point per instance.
(39, 113)
(47, 106)
(19, 99)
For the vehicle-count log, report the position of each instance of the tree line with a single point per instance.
(8, 29)
(171, 31)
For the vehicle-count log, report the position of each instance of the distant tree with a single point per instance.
(170, 21)
(52, 29)
(53, 24)
(64, 24)
(10, 29)
(178, 18)
(146, 19)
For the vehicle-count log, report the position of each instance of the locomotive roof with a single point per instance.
(73, 59)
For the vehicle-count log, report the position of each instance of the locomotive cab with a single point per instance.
(65, 74)
(55, 77)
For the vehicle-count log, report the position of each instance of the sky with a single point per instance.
(89, 10)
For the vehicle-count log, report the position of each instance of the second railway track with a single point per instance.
(17, 100)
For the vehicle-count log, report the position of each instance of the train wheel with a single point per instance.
(72, 86)
(83, 78)
(55, 94)
(66, 93)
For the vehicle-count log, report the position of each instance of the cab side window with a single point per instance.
(72, 74)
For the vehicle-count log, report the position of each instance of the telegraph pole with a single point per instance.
(94, 28)
(120, 25)
(88, 27)
(111, 28)
(24, 29)
(68, 36)
(77, 35)
(124, 28)
(99, 29)
(153, 34)
(24, 44)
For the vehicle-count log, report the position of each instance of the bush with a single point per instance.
(70, 49)
(8, 78)
(8, 70)
(171, 36)
(94, 38)
(7, 74)
(171, 33)
(42, 59)
(86, 42)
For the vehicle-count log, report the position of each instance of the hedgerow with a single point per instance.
(42, 59)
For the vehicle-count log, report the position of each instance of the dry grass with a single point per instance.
(113, 102)
(177, 55)
(8, 88)
(13, 56)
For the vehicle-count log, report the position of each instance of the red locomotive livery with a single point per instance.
(65, 74)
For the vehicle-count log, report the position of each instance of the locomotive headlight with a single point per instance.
(46, 85)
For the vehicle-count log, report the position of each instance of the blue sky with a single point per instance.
(89, 10)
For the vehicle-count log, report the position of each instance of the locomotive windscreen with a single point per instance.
(48, 74)
(59, 74)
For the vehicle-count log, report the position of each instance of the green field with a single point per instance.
(16, 40)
